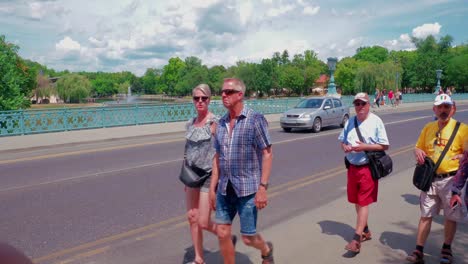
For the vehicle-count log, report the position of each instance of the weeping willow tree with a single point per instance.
(382, 76)
(73, 87)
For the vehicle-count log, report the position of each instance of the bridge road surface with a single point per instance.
(122, 202)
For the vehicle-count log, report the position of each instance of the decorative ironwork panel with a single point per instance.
(11, 123)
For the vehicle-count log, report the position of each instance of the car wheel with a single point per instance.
(345, 119)
(287, 129)
(317, 126)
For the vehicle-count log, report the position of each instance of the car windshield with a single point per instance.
(310, 103)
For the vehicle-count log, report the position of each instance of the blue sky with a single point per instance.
(133, 35)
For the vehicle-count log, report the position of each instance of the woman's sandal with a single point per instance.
(446, 256)
(354, 246)
(366, 236)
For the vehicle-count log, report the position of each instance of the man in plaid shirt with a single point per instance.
(241, 167)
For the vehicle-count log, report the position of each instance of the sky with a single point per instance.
(133, 35)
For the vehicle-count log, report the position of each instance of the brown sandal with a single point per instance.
(446, 256)
(354, 246)
(416, 257)
(366, 236)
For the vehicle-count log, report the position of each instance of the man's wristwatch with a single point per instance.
(264, 185)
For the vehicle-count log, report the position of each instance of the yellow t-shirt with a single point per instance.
(434, 146)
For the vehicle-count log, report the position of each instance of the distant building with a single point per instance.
(320, 85)
(52, 99)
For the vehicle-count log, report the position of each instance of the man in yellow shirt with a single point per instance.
(431, 142)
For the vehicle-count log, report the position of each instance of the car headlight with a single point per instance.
(306, 116)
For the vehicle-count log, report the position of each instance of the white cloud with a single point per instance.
(274, 12)
(37, 9)
(136, 34)
(402, 43)
(67, 44)
(355, 42)
(40, 10)
(311, 10)
(426, 30)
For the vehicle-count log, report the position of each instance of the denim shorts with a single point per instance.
(227, 206)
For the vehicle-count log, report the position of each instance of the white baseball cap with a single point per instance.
(443, 99)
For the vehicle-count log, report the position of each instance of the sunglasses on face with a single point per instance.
(437, 140)
(229, 91)
(203, 98)
(360, 104)
(446, 106)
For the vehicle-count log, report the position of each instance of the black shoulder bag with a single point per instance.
(424, 173)
(380, 163)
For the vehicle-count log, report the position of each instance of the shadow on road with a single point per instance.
(336, 228)
(411, 199)
(213, 257)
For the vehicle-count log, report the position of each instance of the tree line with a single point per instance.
(283, 74)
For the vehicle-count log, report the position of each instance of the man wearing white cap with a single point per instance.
(431, 142)
(362, 189)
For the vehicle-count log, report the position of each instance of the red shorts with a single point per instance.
(362, 189)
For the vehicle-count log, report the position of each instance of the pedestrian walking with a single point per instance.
(397, 97)
(241, 168)
(431, 143)
(377, 97)
(460, 180)
(391, 97)
(362, 189)
(199, 152)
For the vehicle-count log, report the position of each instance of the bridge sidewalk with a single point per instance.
(319, 235)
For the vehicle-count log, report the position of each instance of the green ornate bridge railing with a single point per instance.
(25, 122)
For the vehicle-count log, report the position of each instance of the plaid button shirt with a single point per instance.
(240, 156)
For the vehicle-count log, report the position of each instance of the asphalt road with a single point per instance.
(120, 201)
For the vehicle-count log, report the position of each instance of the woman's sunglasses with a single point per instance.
(203, 98)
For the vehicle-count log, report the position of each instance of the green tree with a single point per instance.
(73, 87)
(216, 75)
(430, 56)
(375, 54)
(104, 86)
(292, 77)
(171, 75)
(345, 74)
(16, 79)
(457, 72)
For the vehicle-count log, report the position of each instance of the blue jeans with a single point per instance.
(227, 206)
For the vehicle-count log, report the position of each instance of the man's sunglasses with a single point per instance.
(203, 98)
(229, 91)
(360, 104)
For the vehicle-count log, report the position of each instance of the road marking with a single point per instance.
(80, 152)
(180, 221)
(97, 174)
(85, 255)
(108, 239)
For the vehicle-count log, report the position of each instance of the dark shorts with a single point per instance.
(362, 189)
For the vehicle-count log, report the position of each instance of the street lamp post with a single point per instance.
(396, 81)
(332, 67)
(438, 74)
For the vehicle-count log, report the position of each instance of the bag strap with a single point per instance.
(447, 146)
(358, 131)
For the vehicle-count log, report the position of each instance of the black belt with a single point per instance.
(445, 175)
